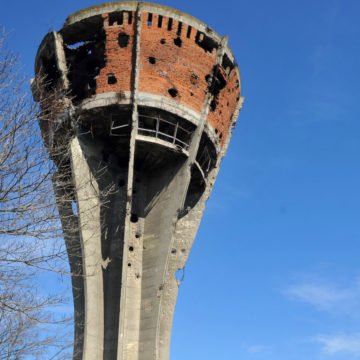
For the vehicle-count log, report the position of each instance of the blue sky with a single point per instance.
(275, 271)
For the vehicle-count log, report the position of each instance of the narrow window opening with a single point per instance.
(170, 24)
(213, 105)
(134, 218)
(112, 79)
(130, 17)
(152, 60)
(123, 40)
(178, 42)
(150, 17)
(173, 92)
(189, 32)
(160, 21)
(179, 29)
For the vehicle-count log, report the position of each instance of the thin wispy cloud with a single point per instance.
(340, 344)
(257, 349)
(327, 296)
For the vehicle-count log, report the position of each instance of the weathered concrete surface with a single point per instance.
(150, 98)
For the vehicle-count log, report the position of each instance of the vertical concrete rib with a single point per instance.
(130, 295)
(169, 295)
(87, 195)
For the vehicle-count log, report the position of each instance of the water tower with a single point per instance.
(144, 101)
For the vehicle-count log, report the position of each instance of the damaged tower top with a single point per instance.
(139, 101)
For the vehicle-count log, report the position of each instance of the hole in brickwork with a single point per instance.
(178, 42)
(179, 29)
(188, 34)
(162, 41)
(170, 24)
(194, 79)
(160, 21)
(220, 136)
(131, 248)
(227, 64)
(205, 42)
(123, 40)
(121, 182)
(112, 79)
(216, 131)
(152, 60)
(116, 17)
(150, 18)
(134, 218)
(173, 92)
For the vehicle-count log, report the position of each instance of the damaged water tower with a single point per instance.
(143, 99)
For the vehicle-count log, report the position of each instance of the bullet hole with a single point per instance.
(112, 79)
(137, 236)
(188, 34)
(162, 41)
(160, 20)
(134, 218)
(191, 93)
(173, 92)
(220, 136)
(152, 60)
(131, 248)
(194, 79)
(227, 104)
(170, 24)
(123, 40)
(129, 264)
(137, 276)
(183, 251)
(216, 131)
(173, 251)
(178, 42)
(121, 182)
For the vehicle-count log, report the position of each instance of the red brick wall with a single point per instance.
(118, 60)
(183, 68)
(220, 119)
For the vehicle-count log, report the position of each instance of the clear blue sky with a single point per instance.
(275, 271)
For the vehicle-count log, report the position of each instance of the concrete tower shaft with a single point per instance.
(145, 101)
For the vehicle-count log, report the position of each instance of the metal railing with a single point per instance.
(160, 128)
